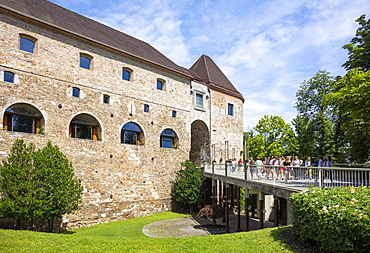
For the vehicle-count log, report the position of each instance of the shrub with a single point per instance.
(188, 187)
(212, 211)
(338, 219)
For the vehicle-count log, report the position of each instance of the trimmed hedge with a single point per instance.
(337, 219)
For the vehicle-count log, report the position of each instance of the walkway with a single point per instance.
(191, 226)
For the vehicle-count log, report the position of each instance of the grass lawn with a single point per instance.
(127, 236)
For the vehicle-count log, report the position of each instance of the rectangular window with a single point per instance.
(8, 77)
(27, 45)
(75, 92)
(159, 85)
(126, 75)
(85, 62)
(199, 100)
(106, 99)
(230, 109)
(146, 108)
(174, 114)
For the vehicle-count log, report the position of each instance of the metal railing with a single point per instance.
(296, 177)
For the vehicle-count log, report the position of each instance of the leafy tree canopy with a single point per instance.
(271, 136)
(350, 96)
(314, 124)
(359, 48)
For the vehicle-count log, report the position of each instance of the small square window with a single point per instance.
(199, 100)
(106, 99)
(126, 74)
(159, 85)
(9, 77)
(146, 108)
(85, 62)
(27, 45)
(174, 114)
(230, 109)
(75, 92)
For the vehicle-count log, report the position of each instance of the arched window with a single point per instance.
(27, 43)
(132, 134)
(85, 126)
(23, 118)
(168, 139)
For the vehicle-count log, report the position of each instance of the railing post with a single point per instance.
(320, 178)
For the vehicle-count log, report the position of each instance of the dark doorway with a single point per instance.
(200, 143)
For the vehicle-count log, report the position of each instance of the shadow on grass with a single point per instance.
(68, 232)
(286, 237)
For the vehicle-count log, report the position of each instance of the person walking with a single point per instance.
(319, 164)
(296, 163)
(281, 168)
(259, 164)
(287, 168)
(329, 164)
(307, 164)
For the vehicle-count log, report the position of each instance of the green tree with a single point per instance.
(19, 194)
(359, 48)
(350, 96)
(61, 190)
(271, 136)
(188, 187)
(37, 184)
(314, 124)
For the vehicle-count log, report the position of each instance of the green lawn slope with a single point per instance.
(127, 236)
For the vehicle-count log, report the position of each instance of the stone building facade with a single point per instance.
(124, 114)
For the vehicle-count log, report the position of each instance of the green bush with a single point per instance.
(188, 187)
(338, 219)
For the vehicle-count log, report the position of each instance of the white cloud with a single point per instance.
(266, 48)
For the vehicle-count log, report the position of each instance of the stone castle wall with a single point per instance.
(120, 181)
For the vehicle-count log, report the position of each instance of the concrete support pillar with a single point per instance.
(227, 229)
(289, 217)
(246, 198)
(276, 211)
(261, 197)
(238, 203)
(214, 192)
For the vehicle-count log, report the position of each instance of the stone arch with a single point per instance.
(200, 143)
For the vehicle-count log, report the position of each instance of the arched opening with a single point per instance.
(200, 143)
(85, 126)
(131, 133)
(23, 118)
(168, 139)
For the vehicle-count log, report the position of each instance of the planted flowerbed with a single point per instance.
(337, 219)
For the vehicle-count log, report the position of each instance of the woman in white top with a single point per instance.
(296, 163)
(307, 164)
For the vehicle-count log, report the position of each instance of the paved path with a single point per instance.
(191, 226)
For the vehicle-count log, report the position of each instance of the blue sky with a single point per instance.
(266, 48)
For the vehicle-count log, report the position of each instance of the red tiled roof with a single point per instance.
(209, 72)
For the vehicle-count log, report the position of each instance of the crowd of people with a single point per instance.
(284, 168)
